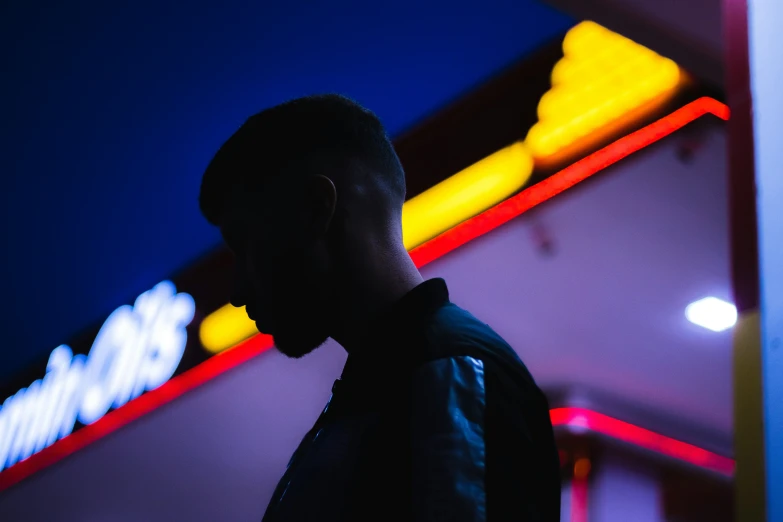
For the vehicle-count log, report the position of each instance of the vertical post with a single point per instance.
(579, 504)
(755, 154)
(766, 80)
(747, 364)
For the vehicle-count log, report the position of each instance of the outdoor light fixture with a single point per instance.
(712, 313)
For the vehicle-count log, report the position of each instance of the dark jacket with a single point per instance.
(438, 421)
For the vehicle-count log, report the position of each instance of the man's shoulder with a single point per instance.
(455, 332)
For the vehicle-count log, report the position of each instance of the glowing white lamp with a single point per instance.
(712, 313)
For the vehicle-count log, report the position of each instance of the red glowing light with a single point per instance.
(579, 499)
(649, 440)
(557, 183)
(429, 251)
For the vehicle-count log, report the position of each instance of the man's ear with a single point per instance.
(321, 195)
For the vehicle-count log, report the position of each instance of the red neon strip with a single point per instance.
(136, 408)
(565, 179)
(598, 423)
(429, 251)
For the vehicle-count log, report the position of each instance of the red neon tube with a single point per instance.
(557, 183)
(584, 419)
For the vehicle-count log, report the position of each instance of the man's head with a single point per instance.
(301, 192)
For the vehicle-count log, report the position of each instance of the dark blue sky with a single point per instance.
(110, 113)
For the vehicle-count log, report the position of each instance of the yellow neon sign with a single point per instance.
(465, 194)
(225, 327)
(602, 77)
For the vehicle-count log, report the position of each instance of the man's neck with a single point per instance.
(366, 299)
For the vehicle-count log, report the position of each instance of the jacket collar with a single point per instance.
(391, 334)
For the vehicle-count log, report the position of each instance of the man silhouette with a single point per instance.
(434, 418)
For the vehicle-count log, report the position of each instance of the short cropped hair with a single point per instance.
(311, 135)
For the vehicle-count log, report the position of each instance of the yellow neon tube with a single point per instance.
(447, 204)
(602, 77)
(465, 194)
(225, 327)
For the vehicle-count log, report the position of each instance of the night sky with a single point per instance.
(111, 112)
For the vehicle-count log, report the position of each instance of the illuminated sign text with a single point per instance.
(137, 349)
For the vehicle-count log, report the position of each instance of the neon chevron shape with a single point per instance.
(602, 77)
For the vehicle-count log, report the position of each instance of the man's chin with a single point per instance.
(263, 328)
(297, 346)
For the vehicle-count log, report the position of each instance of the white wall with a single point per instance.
(620, 491)
(766, 62)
